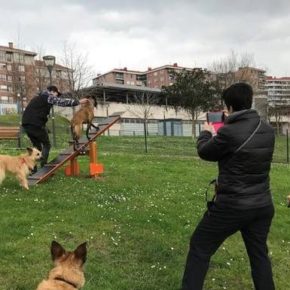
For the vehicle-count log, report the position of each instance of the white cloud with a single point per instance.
(153, 33)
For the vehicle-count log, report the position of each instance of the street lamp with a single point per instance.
(18, 103)
(49, 61)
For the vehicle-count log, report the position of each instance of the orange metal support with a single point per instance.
(73, 169)
(95, 168)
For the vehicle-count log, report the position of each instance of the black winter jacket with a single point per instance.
(243, 178)
(37, 111)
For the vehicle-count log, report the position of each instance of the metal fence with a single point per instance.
(134, 142)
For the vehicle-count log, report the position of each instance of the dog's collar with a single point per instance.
(65, 281)
(23, 161)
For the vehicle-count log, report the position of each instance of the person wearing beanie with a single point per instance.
(35, 117)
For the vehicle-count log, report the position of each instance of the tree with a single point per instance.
(79, 72)
(277, 112)
(141, 107)
(194, 91)
(230, 70)
(21, 77)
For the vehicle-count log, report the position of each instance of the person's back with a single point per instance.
(37, 111)
(243, 180)
(243, 148)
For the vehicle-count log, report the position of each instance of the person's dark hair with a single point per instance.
(239, 96)
(53, 89)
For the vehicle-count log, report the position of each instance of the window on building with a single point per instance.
(21, 58)
(2, 56)
(28, 59)
(3, 87)
(9, 78)
(119, 76)
(16, 57)
(21, 68)
(4, 99)
(9, 56)
(65, 75)
(2, 77)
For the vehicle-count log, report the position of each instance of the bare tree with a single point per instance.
(227, 70)
(141, 106)
(21, 77)
(79, 72)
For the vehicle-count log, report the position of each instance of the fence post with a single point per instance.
(287, 144)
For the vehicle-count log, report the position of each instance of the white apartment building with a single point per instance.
(278, 90)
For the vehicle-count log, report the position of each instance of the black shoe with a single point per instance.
(42, 162)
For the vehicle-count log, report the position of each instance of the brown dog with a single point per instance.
(84, 115)
(288, 200)
(68, 272)
(20, 165)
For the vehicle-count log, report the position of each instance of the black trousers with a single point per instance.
(216, 225)
(39, 139)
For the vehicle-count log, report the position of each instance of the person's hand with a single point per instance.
(208, 127)
(226, 112)
(84, 100)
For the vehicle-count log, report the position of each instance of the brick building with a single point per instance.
(152, 78)
(254, 76)
(22, 76)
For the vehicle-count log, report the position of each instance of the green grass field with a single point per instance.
(137, 220)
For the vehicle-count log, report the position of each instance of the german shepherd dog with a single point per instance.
(20, 165)
(67, 273)
(84, 115)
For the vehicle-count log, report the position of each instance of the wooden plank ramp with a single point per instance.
(48, 170)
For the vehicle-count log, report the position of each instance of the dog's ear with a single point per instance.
(30, 150)
(56, 250)
(81, 252)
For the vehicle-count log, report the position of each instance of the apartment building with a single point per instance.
(278, 90)
(122, 77)
(254, 76)
(152, 78)
(22, 76)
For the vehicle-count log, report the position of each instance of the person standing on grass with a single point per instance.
(243, 148)
(35, 117)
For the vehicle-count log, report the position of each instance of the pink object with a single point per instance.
(217, 125)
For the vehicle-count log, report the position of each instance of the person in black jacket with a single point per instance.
(35, 117)
(243, 198)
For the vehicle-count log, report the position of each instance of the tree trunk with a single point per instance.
(193, 125)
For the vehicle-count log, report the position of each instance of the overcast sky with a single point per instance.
(150, 33)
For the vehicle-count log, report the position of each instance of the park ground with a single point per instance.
(137, 219)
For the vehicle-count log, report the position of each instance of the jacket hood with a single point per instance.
(239, 115)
